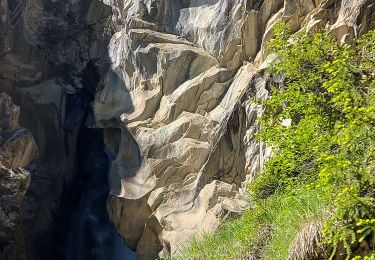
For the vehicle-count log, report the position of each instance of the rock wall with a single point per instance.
(17, 150)
(186, 146)
(51, 56)
(172, 96)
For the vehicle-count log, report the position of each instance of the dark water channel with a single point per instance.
(83, 227)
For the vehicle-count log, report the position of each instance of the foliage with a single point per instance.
(320, 123)
(327, 92)
(216, 53)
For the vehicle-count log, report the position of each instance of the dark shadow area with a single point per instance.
(83, 228)
(53, 76)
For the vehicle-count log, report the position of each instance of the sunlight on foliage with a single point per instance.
(322, 164)
(328, 93)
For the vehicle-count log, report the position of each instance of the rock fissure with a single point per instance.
(63, 212)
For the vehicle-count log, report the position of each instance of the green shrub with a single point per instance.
(328, 93)
(322, 165)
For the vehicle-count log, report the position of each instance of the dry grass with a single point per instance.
(306, 245)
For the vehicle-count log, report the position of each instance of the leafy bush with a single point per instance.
(323, 162)
(327, 91)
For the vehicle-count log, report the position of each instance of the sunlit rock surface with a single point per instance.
(181, 74)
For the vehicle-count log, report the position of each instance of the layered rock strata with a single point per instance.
(185, 144)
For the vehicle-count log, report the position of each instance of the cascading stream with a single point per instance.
(83, 229)
(44, 49)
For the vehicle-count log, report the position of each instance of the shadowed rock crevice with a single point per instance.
(83, 228)
(17, 150)
(53, 71)
(79, 226)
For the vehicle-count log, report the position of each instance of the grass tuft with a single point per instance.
(268, 231)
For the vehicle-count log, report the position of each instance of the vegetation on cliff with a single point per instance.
(316, 195)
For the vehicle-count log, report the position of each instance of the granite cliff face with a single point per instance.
(168, 84)
(188, 68)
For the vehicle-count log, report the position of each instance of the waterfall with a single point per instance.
(84, 229)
